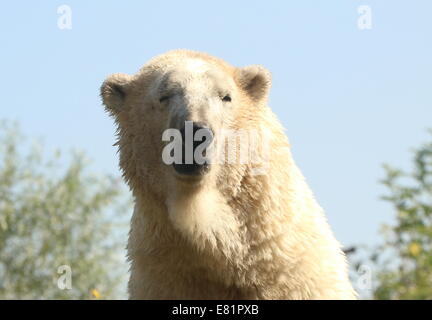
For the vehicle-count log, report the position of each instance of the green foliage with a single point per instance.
(52, 214)
(404, 260)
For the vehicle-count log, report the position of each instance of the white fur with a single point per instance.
(242, 231)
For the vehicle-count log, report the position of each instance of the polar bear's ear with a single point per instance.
(114, 90)
(255, 80)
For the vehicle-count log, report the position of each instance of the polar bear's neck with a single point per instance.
(205, 218)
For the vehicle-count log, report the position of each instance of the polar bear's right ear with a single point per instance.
(114, 90)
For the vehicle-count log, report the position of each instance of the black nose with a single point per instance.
(194, 135)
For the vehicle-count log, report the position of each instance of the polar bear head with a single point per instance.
(172, 113)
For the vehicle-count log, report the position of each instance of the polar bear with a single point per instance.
(217, 229)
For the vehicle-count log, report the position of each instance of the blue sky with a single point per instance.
(350, 99)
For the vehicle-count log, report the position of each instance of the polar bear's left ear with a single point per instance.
(113, 92)
(255, 80)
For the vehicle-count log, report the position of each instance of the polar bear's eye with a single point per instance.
(164, 98)
(227, 98)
